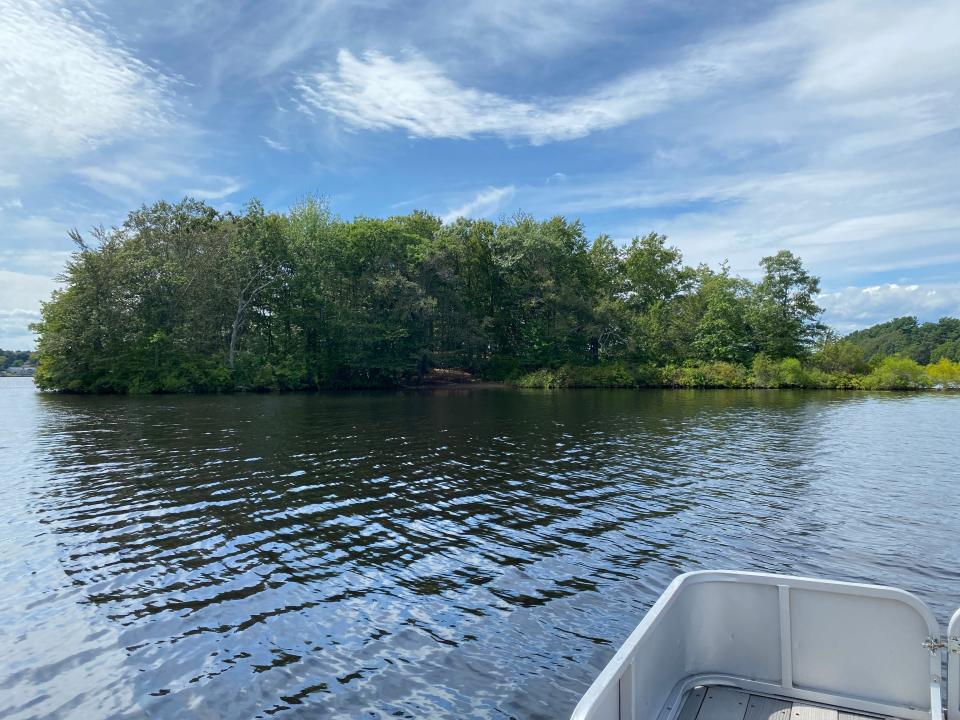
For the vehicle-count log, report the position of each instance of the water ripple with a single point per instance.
(462, 553)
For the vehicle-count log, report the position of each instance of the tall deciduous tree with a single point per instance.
(722, 333)
(785, 315)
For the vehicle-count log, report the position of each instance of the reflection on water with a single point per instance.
(458, 553)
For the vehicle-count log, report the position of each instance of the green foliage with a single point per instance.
(893, 373)
(897, 373)
(544, 379)
(840, 356)
(784, 311)
(790, 373)
(182, 298)
(705, 375)
(944, 373)
(819, 379)
(613, 375)
(16, 359)
(764, 372)
(722, 333)
(653, 271)
(925, 343)
(949, 350)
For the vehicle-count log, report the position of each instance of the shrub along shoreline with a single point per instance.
(890, 373)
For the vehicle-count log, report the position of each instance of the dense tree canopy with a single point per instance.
(184, 298)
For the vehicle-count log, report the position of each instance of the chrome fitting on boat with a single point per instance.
(952, 644)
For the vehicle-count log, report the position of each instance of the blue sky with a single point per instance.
(829, 128)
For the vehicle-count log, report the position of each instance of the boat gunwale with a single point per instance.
(953, 668)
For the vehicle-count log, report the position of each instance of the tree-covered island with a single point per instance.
(183, 298)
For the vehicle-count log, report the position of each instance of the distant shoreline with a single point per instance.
(8, 373)
(430, 388)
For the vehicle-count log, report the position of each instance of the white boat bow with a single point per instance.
(722, 645)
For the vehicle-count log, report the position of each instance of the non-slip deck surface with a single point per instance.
(725, 703)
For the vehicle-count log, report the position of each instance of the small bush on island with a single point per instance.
(704, 375)
(614, 375)
(840, 357)
(896, 373)
(944, 373)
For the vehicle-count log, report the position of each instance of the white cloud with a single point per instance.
(20, 298)
(142, 176)
(20, 290)
(103, 177)
(218, 188)
(852, 308)
(502, 30)
(485, 202)
(47, 263)
(859, 57)
(844, 222)
(26, 231)
(377, 92)
(277, 37)
(873, 47)
(68, 85)
(30, 315)
(274, 144)
(857, 173)
(15, 331)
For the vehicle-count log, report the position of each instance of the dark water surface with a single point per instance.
(458, 553)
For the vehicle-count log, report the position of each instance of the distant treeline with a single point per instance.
(925, 343)
(182, 298)
(16, 358)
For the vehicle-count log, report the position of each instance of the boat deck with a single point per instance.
(726, 703)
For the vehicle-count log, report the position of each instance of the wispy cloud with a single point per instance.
(20, 298)
(485, 202)
(274, 144)
(69, 86)
(48, 263)
(218, 188)
(377, 92)
(281, 37)
(14, 329)
(829, 128)
(846, 222)
(840, 145)
(141, 176)
(23, 232)
(502, 30)
(795, 60)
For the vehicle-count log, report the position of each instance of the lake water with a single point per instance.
(465, 552)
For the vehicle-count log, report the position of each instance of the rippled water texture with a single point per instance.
(459, 553)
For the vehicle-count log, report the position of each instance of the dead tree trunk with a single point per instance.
(247, 295)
